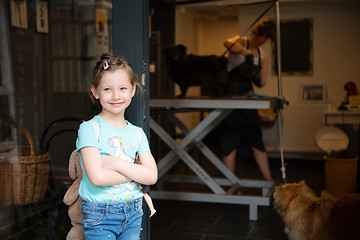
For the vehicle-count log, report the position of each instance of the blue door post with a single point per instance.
(131, 40)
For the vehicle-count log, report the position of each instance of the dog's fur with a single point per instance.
(210, 72)
(309, 217)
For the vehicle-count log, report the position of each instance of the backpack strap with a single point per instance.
(144, 188)
(138, 133)
(96, 127)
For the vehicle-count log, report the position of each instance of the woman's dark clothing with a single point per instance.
(241, 78)
(242, 125)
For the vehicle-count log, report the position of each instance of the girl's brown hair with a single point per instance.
(111, 62)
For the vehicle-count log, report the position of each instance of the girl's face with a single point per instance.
(114, 91)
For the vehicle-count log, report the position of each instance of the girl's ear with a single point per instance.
(94, 92)
(133, 90)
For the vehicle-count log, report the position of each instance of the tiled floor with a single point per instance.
(174, 219)
(214, 221)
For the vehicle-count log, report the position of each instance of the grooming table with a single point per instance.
(218, 110)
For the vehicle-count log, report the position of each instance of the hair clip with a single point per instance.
(105, 65)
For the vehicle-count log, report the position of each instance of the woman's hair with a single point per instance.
(265, 27)
(111, 62)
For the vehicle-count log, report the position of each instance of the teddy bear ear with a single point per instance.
(79, 172)
(72, 164)
(72, 193)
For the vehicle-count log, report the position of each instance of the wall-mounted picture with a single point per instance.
(313, 93)
(19, 14)
(296, 47)
(42, 23)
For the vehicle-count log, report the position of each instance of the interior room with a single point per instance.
(309, 108)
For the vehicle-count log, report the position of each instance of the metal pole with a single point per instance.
(278, 46)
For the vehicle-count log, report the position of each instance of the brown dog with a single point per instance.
(309, 217)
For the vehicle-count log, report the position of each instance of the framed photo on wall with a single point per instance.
(19, 13)
(42, 22)
(296, 45)
(314, 92)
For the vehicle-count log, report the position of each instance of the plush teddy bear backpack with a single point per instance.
(72, 198)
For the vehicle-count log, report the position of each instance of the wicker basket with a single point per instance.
(24, 173)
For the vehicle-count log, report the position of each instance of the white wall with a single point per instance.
(336, 34)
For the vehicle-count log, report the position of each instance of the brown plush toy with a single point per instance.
(73, 200)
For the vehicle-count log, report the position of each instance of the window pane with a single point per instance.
(80, 32)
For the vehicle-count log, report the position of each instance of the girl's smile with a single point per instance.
(117, 104)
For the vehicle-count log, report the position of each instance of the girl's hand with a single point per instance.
(108, 163)
(145, 173)
(95, 170)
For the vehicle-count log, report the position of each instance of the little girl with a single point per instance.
(112, 198)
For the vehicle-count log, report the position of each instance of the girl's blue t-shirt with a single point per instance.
(118, 142)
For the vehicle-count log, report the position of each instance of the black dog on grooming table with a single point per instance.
(210, 72)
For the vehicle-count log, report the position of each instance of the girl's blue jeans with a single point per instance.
(120, 221)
